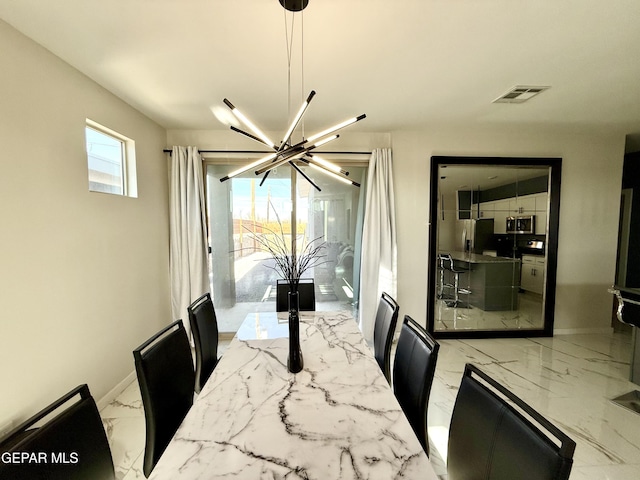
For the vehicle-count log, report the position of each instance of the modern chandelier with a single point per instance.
(287, 151)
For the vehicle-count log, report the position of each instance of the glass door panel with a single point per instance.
(241, 213)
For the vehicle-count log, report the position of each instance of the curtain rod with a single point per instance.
(271, 151)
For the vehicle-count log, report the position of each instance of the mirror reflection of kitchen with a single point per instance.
(491, 262)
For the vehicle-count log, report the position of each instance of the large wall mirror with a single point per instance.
(493, 246)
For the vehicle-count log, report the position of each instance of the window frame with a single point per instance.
(128, 184)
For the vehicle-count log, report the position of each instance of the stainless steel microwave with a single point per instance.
(522, 224)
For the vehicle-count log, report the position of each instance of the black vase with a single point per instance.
(294, 362)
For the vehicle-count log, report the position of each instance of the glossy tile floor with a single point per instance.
(569, 378)
(527, 316)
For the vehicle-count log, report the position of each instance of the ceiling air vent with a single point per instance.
(519, 94)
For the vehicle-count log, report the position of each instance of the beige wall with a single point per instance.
(589, 205)
(83, 276)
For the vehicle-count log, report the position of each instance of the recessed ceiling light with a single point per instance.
(520, 94)
(493, 178)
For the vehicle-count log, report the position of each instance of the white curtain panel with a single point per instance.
(379, 249)
(188, 231)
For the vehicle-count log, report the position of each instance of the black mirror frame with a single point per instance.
(555, 166)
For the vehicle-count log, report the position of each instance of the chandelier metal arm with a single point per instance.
(252, 137)
(304, 175)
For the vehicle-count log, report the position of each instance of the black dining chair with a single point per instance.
(71, 444)
(494, 435)
(413, 370)
(165, 374)
(306, 295)
(383, 331)
(204, 327)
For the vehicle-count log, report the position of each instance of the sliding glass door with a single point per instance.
(240, 210)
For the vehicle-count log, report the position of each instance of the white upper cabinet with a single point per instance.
(535, 204)
(523, 205)
(487, 210)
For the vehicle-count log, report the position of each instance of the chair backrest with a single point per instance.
(446, 261)
(413, 370)
(204, 327)
(306, 295)
(383, 331)
(166, 378)
(70, 445)
(493, 436)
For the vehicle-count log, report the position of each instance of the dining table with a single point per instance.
(336, 419)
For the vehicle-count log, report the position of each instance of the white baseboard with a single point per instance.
(579, 331)
(115, 391)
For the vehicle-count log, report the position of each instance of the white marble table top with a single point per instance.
(336, 419)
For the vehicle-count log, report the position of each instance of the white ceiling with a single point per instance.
(406, 64)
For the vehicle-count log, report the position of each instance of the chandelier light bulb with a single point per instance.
(337, 127)
(249, 167)
(333, 174)
(324, 141)
(240, 116)
(326, 164)
(297, 119)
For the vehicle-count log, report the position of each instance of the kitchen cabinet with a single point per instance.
(484, 210)
(542, 201)
(522, 205)
(500, 214)
(535, 204)
(532, 273)
(492, 282)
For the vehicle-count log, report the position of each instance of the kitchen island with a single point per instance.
(493, 282)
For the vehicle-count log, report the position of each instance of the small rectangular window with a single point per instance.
(111, 161)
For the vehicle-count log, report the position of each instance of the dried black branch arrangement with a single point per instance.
(289, 264)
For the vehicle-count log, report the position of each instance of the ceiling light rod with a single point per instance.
(328, 165)
(311, 161)
(296, 120)
(240, 116)
(249, 167)
(337, 127)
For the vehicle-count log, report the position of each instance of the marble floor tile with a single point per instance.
(610, 472)
(126, 437)
(528, 315)
(127, 404)
(570, 379)
(135, 472)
